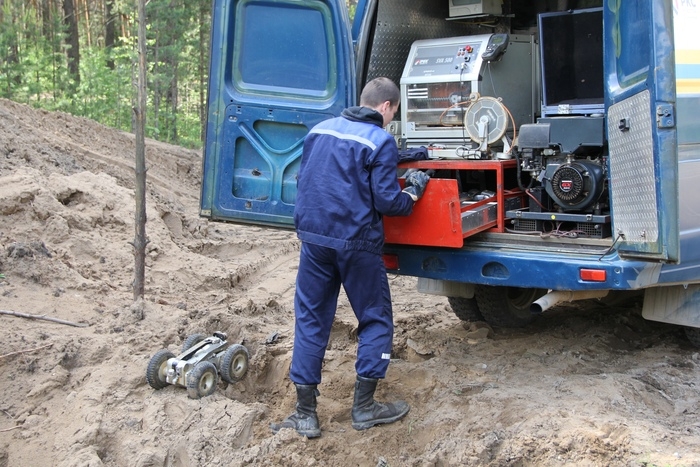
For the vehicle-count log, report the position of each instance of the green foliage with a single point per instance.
(352, 7)
(34, 70)
(104, 94)
(11, 67)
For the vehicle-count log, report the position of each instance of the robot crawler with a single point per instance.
(198, 366)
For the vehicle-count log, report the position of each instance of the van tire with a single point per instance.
(465, 309)
(506, 307)
(693, 335)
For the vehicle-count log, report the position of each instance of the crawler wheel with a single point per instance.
(202, 380)
(157, 369)
(191, 341)
(234, 363)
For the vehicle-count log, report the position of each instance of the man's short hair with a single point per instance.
(378, 91)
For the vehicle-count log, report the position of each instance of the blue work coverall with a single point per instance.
(347, 180)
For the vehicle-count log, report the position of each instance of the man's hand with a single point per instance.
(415, 184)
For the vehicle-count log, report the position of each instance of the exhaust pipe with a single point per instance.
(557, 296)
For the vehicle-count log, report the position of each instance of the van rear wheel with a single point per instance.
(693, 335)
(465, 309)
(506, 307)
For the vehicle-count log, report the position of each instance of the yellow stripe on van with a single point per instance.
(687, 56)
(688, 86)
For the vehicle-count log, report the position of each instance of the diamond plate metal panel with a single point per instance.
(399, 23)
(632, 172)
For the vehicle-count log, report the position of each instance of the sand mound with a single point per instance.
(581, 386)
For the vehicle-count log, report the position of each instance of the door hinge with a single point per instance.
(665, 116)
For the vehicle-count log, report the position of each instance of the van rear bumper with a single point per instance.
(524, 268)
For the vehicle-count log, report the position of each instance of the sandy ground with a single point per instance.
(582, 386)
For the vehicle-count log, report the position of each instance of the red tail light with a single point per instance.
(593, 275)
(391, 261)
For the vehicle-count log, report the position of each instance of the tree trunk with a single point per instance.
(140, 239)
(86, 8)
(12, 53)
(155, 79)
(46, 19)
(172, 96)
(73, 40)
(110, 31)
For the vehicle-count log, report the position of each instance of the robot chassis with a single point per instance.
(199, 365)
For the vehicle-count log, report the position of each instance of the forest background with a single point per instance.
(80, 57)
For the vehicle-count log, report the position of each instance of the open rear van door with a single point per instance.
(641, 126)
(277, 69)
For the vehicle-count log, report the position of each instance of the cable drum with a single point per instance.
(490, 111)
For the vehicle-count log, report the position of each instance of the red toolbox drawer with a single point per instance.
(440, 218)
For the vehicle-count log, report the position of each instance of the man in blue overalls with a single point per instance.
(347, 181)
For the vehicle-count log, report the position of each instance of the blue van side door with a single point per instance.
(641, 110)
(278, 67)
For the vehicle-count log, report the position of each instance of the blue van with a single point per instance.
(564, 143)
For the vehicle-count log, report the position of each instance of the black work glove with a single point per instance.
(416, 183)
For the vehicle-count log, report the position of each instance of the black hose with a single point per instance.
(518, 168)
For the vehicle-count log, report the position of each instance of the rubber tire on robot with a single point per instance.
(191, 341)
(234, 363)
(202, 380)
(506, 307)
(465, 309)
(157, 369)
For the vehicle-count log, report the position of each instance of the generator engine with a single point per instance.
(566, 157)
(575, 186)
(565, 150)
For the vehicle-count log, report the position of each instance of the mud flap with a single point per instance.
(676, 304)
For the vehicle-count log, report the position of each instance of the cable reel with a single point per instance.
(486, 121)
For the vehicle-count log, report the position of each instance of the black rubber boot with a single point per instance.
(304, 420)
(366, 412)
